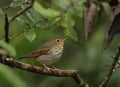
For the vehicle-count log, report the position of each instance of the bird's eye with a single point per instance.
(57, 40)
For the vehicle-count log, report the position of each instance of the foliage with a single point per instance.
(14, 80)
(48, 19)
(7, 49)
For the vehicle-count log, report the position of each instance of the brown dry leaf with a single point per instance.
(112, 31)
(90, 13)
(115, 6)
(116, 9)
(115, 26)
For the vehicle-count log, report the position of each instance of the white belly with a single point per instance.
(51, 57)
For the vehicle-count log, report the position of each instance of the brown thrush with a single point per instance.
(49, 52)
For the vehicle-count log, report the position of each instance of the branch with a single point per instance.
(36, 69)
(111, 70)
(59, 18)
(22, 11)
(45, 71)
(6, 29)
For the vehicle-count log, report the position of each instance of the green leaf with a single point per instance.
(30, 35)
(46, 12)
(33, 15)
(79, 8)
(7, 48)
(11, 77)
(2, 51)
(16, 3)
(71, 33)
(67, 22)
(43, 24)
(60, 4)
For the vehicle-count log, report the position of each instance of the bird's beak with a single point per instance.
(65, 38)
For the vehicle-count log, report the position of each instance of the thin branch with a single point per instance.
(80, 80)
(22, 11)
(6, 29)
(45, 71)
(112, 68)
(59, 18)
(36, 69)
(21, 32)
(16, 35)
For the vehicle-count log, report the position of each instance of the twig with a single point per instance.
(6, 29)
(80, 80)
(22, 11)
(45, 71)
(111, 70)
(37, 69)
(21, 32)
(16, 35)
(59, 18)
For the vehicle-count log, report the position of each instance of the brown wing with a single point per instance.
(42, 50)
(38, 52)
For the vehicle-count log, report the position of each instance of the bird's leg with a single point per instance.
(53, 67)
(46, 67)
(50, 66)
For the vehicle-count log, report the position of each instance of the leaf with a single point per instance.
(60, 4)
(33, 15)
(7, 48)
(67, 22)
(16, 3)
(90, 13)
(30, 35)
(11, 77)
(79, 8)
(2, 51)
(44, 23)
(112, 31)
(71, 33)
(46, 12)
(115, 6)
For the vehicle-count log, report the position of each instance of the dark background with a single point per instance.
(79, 54)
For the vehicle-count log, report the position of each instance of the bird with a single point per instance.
(49, 52)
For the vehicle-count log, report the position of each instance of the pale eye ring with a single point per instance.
(57, 40)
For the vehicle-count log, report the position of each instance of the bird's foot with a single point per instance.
(46, 67)
(53, 67)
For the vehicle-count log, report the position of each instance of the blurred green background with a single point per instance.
(53, 18)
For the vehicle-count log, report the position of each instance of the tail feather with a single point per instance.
(22, 57)
(25, 57)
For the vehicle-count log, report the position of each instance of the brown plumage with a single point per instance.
(49, 52)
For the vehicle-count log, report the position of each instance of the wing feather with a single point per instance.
(37, 53)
